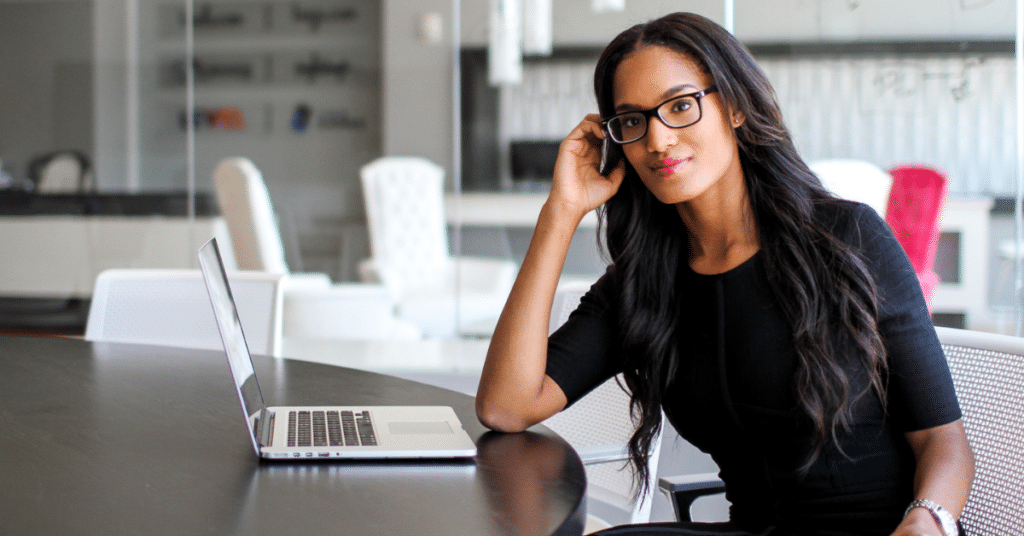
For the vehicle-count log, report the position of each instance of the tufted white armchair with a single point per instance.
(441, 295)
(313, 306)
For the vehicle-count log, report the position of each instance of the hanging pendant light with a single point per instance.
(504, 51)
(601, 6)
(537, 27)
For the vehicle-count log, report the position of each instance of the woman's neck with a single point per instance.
(722, 232)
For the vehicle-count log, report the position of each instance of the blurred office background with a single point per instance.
(115, 116)
(311, 91)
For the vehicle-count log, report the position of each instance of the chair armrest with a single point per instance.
(369, 272)
(486, 274)
(683, 490)
(305, 280)
(602, 453)
(373, 273)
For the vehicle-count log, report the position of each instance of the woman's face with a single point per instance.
(678, 164)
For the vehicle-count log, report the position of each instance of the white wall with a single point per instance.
(778, 20)
(412, 70)
(873, 19)
(112, 149)
(417, 88)
(45, 90)
(575, 24)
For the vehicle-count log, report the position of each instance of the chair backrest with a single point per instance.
(988, 372)
(342, 311)
(598, 427)
(915, 212)
(172, 308)
(856, 180)
(245, 206)
(405, 209)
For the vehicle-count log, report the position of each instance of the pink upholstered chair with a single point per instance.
(914, 213)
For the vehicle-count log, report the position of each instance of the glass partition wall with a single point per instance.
(294, 88)
(146, 98)
(152, 95)
(902, 84)
(93, 150)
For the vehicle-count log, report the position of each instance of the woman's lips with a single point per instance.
(669, 166)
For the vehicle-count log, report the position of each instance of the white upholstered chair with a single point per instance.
(313, 306)
(443, 296)
(856, 180)
(172, 308)
(342, 311)
(245, 205)
(598, 427)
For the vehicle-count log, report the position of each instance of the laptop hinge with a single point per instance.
(265, 427)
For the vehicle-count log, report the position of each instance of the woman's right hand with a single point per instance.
(578, 185)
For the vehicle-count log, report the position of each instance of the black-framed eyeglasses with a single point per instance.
(678, 112)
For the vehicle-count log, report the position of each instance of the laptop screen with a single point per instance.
(230, 329)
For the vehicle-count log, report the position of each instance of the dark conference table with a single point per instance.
(101, 438)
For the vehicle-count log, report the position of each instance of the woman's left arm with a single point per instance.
(945, 470)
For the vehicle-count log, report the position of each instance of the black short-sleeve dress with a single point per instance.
(734, 394)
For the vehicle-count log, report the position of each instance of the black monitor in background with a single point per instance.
(534, 161)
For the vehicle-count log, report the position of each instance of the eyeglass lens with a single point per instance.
(676, 113)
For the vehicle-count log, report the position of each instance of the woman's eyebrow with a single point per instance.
(667, 94)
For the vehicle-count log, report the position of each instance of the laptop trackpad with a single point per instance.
(419, 428)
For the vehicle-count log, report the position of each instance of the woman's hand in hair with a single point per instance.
(578, 186)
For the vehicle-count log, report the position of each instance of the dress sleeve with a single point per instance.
(583, 352)
(920, 387)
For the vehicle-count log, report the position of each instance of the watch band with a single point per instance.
(941, 515)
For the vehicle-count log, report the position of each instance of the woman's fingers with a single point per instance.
(577, 180)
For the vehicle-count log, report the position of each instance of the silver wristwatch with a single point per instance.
(941, 515)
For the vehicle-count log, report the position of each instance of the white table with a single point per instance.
(60, 256)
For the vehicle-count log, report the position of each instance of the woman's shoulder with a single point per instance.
(846, 219)
(836, 210)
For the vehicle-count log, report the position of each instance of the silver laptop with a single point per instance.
(345, 432)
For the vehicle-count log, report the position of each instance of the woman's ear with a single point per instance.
(737, 119)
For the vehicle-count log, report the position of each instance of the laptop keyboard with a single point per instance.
(330, 429)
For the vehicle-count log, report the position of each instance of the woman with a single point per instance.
(780, 329)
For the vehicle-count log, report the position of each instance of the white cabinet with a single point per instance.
(60, 256)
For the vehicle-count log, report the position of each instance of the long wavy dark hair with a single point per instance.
(823, 287)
